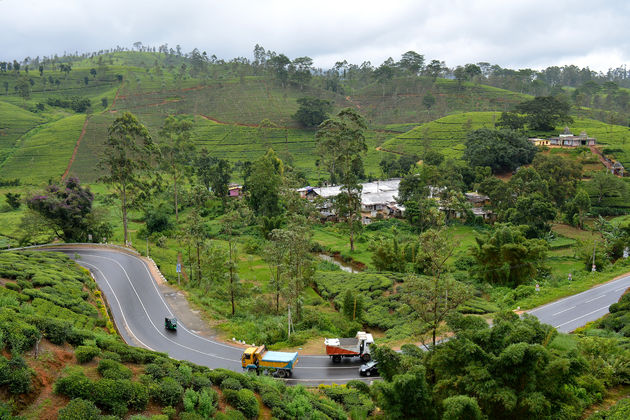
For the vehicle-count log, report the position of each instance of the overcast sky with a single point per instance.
(511, 33)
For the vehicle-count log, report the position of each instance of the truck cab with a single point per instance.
(251, 357)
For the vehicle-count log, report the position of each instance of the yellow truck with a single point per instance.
(258, 359)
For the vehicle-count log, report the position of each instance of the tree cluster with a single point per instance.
(500, 372)
(67, 210)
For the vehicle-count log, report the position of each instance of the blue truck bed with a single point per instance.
(279, 357)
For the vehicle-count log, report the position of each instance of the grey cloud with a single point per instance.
(516, 33)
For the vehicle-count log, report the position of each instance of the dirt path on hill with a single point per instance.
(76, 149)
(111, 108)
(380, 149)
(206, 117)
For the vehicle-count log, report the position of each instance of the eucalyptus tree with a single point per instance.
(128, 151)
(176, 150)
(341, 145)
(433, 298)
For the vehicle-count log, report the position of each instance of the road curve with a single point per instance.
(576, 311)
(138, 307)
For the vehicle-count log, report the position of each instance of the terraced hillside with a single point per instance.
(44, 152)
(446, 135)
(227, 103)
(402, 100)
(14, 123)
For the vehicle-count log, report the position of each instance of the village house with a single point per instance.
(540, 142)
(566, 139)
(378, 199)
(478, 202)
(235, 190)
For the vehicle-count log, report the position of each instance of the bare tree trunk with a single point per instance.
(175, 190)
(277, 291)
(231, 276)
(124, 211)
(198, 263)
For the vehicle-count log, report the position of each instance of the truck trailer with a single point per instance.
(277, 363)
(337, 348)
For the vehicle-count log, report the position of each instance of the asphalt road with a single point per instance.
(139, 308)
(576, 311)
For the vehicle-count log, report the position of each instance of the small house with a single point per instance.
(476, 199)
(235, 190)
(567, 139)
(539, 142)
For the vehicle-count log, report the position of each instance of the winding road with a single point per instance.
(139, 306)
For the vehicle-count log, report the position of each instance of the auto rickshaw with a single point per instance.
(170, 324)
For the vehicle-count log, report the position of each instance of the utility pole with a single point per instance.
(594, 267)
(147, 247)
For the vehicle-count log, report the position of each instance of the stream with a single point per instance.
(348, 268)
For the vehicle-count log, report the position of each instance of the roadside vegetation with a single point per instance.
(150, 145)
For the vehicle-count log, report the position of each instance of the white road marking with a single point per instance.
(151, 321)
(119, 306)
(558, 313)
(598, 297)
(186, 347)
(579, 317)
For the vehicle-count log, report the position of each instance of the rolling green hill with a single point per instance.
(446, 135)
(228, 102)
(44, 152)
(14, 123)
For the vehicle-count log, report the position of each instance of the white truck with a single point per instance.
(337, 348)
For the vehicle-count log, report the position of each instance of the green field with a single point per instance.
(446, 135)
(44, 152)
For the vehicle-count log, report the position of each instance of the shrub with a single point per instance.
(208, 399)
(191, 398)
(187, 415)
(200, 380)
(230, 415)
(13, 286)
(112, 369)
(140, 396)
(85, 354)
(244, 400)
(160, 369)
(16, 374)
(231, 383)
(55, 330)
(217, 376)
(75, 385)
(18, 335)
(169, 392)
(110, 355)
(184, 375)
(77, 336)
(113, 395)
(359, 386)
(79, 409)
(272, 398)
